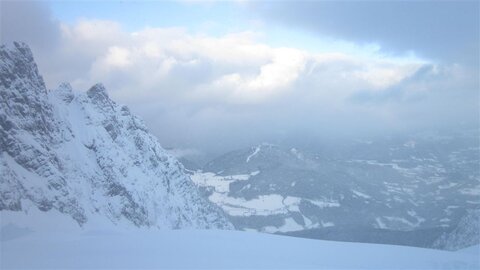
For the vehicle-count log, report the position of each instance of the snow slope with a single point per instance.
(200, 249)
(85, 156)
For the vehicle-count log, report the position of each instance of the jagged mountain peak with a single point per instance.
(65, 92)
(84, 156)
(24, 98)
(98, 94)
(98, 90)
(18, 65)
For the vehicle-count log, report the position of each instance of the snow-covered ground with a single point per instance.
(196, 249)
(263, 205)
(37, 239)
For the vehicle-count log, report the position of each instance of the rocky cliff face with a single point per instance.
(86, 156)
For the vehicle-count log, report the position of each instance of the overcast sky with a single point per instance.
(214, 76)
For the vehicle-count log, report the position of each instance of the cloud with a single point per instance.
(277, 75)
(442, 80)
(215, 93)
(30, 22)
(439, 30)
(228, 90)
(435, 96)
(231, 69)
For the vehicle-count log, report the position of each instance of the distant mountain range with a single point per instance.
(402, 191)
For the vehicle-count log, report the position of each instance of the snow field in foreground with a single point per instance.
(215, 249)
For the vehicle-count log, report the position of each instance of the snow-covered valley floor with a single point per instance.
(194, 249)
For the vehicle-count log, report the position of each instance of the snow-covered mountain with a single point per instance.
(85, 156)
(376, 189)
(466, 233)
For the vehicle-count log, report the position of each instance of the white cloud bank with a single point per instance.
(222, 92)
(231, 69)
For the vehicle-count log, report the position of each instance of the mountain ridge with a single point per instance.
(84, 155)
(384, 189)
